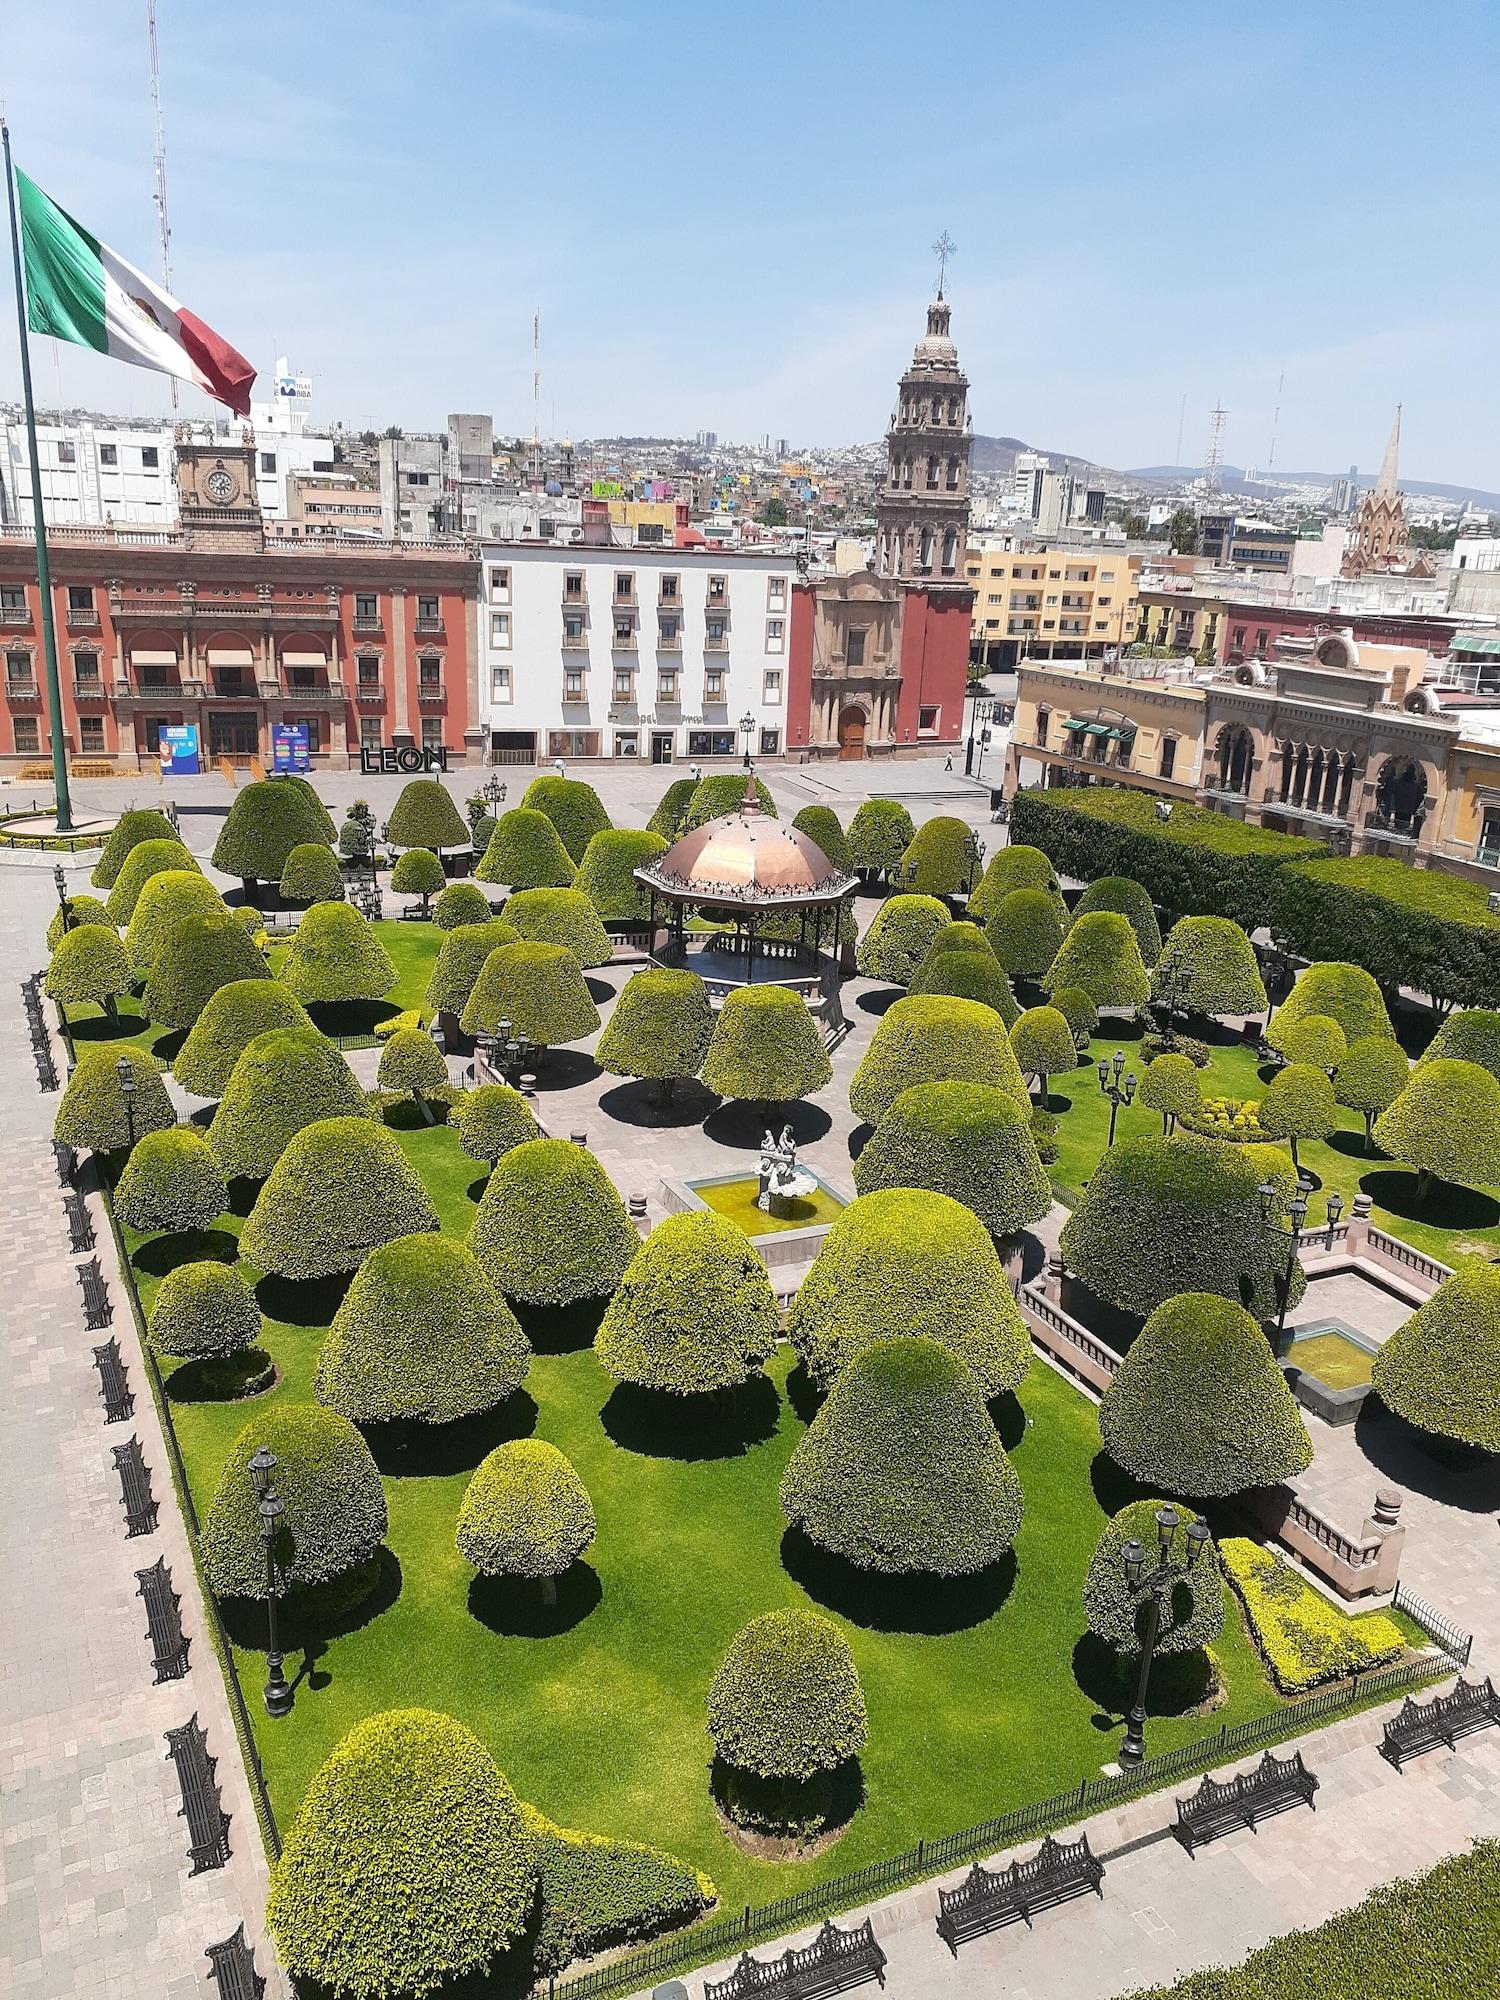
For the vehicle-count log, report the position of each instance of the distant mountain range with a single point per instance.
(1232, 479)
(992, 454)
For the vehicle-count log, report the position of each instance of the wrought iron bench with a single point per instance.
(988, 1897)
(80, 1222)
(66, 1159)
(135, 1489)
(1423, 1725)
(231, 1967)
(208, 1823)
(97, 1310)
(169, 1643)
(114, 1386)
(1221, 1804)
(833, 1962)
(46, 1069)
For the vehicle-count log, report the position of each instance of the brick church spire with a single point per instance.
(922, 509)
(1380, 529)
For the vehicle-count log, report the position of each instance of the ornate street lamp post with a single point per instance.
(278, 1696)
(973, 855)
(1152, 1588)
(1297, 1210)
(61, 882)
(747, 726)
(126, 1074)
(493, 791)
(1171, 981)
(1113, 1089)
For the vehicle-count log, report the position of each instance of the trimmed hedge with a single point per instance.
(786, 1701)
(193, 962)
(825, 830)
(667, 821)
(461, 903)
(358, 833)
(1344, 993)
(412, 1063)
(1100, 955)
(596, 1893)
(1027, 932)
(1192, 1614)
(266, 821)
(1298, 1104)
(573, 807)
(879, 834)
(766, 1047)
(1440, 1369)
(140, 824)
(1302, 1638)
(425, 816)
(171, 1181)
(151, 857)
(1316, 1039)
(1011, 868)
(968, 1141)
(1129, 900)
(311, 875)
(342, 1187)
(900, 937)
(1372, 1075)
(960, 935)
(203, 1311)
(409, 1863)
(1043, 1045)
(82, 909)
(320, 813)
(901, 1470)
(1164, 1216)
(1198, 1405)
(525, 1512)
(909, 1262)
(538, 988)
(660, 1028)
(525, 852)
(418, 872)
(928, 1039)
(335, 1513)
(92, 1111)
(461, 958)
(283, 1080)
(421, 1335)
(1080, 1013)
(967, 975)
(606, 874)
(1472, 1035)
(560, 916)
(233, 1017)
(938, 858)
(694, 1310)
(336, 955)
(492, 1119)
(89, 964)
(723, 793)
(1222, 974)
(1418, 927)
(551, 1228)
(1169, 1084)
(1445, 1124)
(166, 901)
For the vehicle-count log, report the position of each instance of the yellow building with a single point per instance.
(657, 518)
(1041, 603)
(1076, 725)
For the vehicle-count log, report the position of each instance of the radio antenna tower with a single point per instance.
(534, 469)
(1215, 457)
(1276, 418)
(159, 198)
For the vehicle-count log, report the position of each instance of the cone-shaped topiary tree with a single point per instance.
(1010, 869)
(694, 1310)
(193, 961)
(422, 1335)
(526, 1513)
(460, 960)
(81, 910)
(412, 1065)
(907, 1262)
(879, 834)
(342, 1187)
(717, 796)
(166, 901)
(766, 1047)
(1043, 1044)
(334, 1515)
(1347, 993)
(336, 955)
(959, 936)
(1445, 1124)
(538, 988)
(823, 827)
(1471, 1035)
(311, 874)
(425, 816)
(315, 806)
(89, 965)
(266, 821)
(282, 1080)
(967, 975)
(1316, 1039)
(408, 1866)
(670, 817)
(1371, 1076)
(901, 1469)
(926, 1038)
(1027, 932)
(606, 874)
(1207, 966)
(660, 1028)
(492, 1119)
(786, 1701)
(1192, 1613)
(93, 1112)
(966, 1140)
(1080, 1013)
(560, 916)
(1298, 1104)
(232, 1018)
(551, 1227)
(460, 903)
(171, 1181)
(1199, 1407)
(900, 937)
(130, 830)
(151, 857)
(939, 858)
(1100, 954)
(1170, 1085)
(1129, 900)
(1441, 1368)
(525, 852)
(418, 872)
(573, 807)
(202, 1312)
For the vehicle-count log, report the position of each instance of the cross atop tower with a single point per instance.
(945, 249)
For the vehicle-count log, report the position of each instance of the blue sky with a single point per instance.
(723, 212)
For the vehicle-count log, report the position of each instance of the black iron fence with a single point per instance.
(1457, 1645)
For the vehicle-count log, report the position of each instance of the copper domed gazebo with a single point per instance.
(772, 893)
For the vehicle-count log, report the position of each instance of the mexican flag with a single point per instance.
(78, 289)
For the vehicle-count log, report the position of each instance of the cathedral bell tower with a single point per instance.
(922, 509)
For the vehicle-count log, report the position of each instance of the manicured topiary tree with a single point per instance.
(1080, 1013)
(1100, 955)
(538, 988)
(92, 1113)
(151, 857)
(1192, 1612)
(193, 961)
(130, 830)
(1199, 1407)
(89, 965)
(1027, 932)
(1207, 966)
(660, 1028)
(723, 793)
(901, 1470)
(81, 910)
(335, 1514)
(1347, 993)
(460, 903)
(929, 1039)
(526, 1513)
(1043, 1045)
(315, 806)
(1445, 1124)
(958, 936)
(408, 1866)
(965, 1140)
(909, 1262)
(525, 853)
(938, 858)
(342, 1187)
(265, 822)
(967, 975)
(1371, 1076)
(1170, 1085)
(282, 1080)
(786, 1701)
(232, 1018)
(1298, 1104)
(492, 1119)
(1163, 1216)
(336, 955)
(358, 834)
(171, 1181)
(1471, 1035)
(1316, 1039)
(166, 901)
(421, 1336)
(425, 816)
(606, 874)
(460, 960)
(560, 916)
(1441, 1368)
(879, 834)
(693, 1312)
(551, 1228)
(1129, 900)
(823, 827)
(573, 807)
(900, 937)
(670, 817)
(1010, 869)
(766, 1047)
(203, 1312)
(418, 872)
(412, 1064)
(311, 875)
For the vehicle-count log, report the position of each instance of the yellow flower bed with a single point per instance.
(1303, 1638)
(412, 1018)
(1226, 1118)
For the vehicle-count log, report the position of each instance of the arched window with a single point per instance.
(1236, 758)
(906, 473)
(932, 472)
(952, 475)
(950, 550)
(1400, 792)
(926, 548)
(1043, 719)
(953, 409)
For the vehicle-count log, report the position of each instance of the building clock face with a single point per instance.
(220, 486)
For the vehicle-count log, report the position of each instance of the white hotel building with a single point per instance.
(639, 653)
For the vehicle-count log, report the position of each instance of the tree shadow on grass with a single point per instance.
(880, 1001)
(636, 1103)
(721, 1424)
(1351, 1145)
(512, 1606)
(99, 1027)
(859, 1138)
(350, 1017)
(565, 1069)
(405, 1449)
(242, 1193)
(1113, 1486)
(1056, 1102)
(882, 1603)
(185, 1246)
(475, 1189)
(1008, 1417)
(302, 1301)
(1466, 1479)
(740, 1124)
(222, 1378)
(1446, 1205)
(821, 1805)
(560, 1329)
(1179, 1681)
(310, 1618)
(803, 1393)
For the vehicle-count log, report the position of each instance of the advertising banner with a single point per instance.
(289, 747)
(178, 750)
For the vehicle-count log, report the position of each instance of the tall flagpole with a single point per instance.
(43, 572)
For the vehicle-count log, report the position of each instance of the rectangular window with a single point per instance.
(1239, 635)
(26, 728)
(67, 453)
(415, 478)
(573, 630)
(368, 669)
(86, 667)
(1168, 755)
(80, 597)
(770, 743)
(776, 593)
(366, 608)
(314, 727)
(432, 732)
(854, 649)
(775, 629)
(268, 462)
(91, 732)
(369, 732)
(1043, 719)
(573, 584)
(427, 610)
(430, 671)
(12, 597)
(666, 687)
(624, 586)
(711, 743)
(927, 721)
(18, 667)
(109, 454)
(718, 590)
(624, 686)
(500, 629)
(500, 586)
(150, 458)
(627, 743)
(648, 533)
(667, 630)
(713, 632)
(667, 591)
(500, 683)
(572, 743)
(573, 684)
(1262, 640)
(771, 692)
(713, 684)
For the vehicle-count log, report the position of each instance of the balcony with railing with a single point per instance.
(83, 617)
(150, 684)
(315, 690)
(21, 688)
(431, 693)
(575, 639)
(368, 619)
(15, 614)
(88, 687)
(369, 693)
(669, 641)
(625, 638)
(430, 622)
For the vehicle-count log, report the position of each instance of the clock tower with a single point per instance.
(217, 502)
